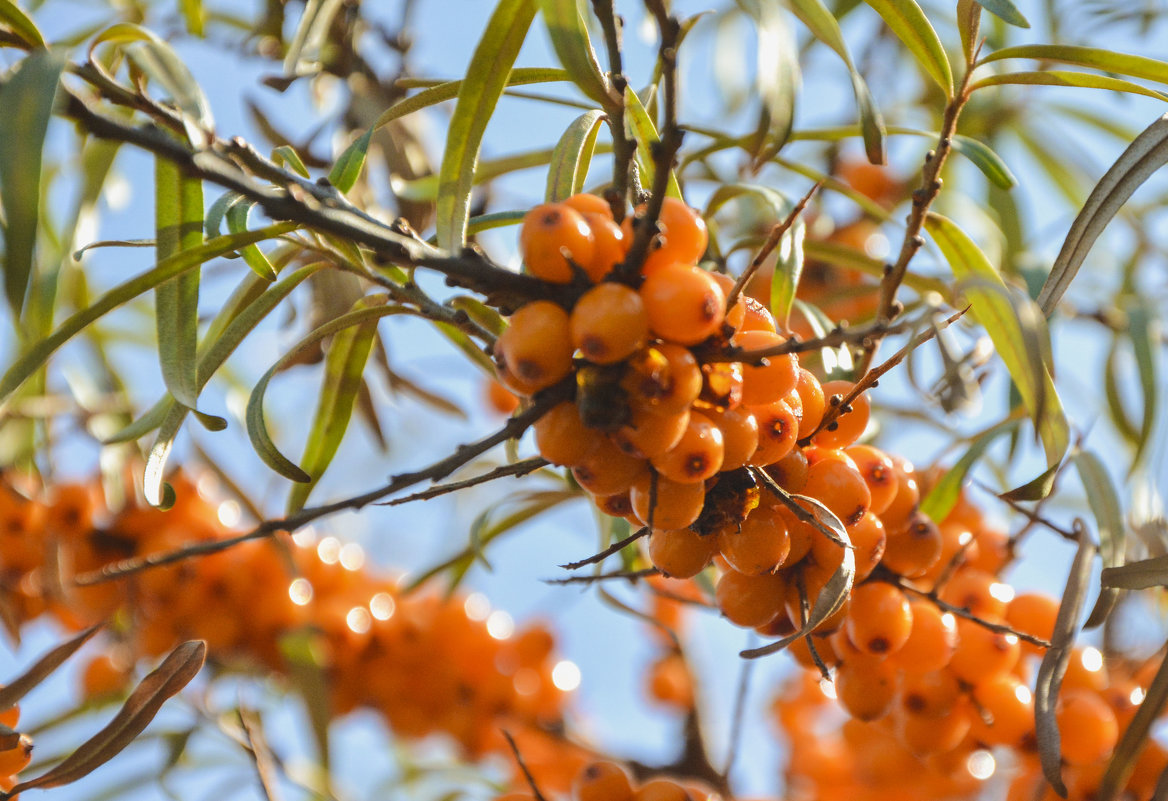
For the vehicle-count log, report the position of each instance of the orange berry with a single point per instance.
(937, 735)
(811, 394)
(537, 347)
(617, 505)
(1009, 711)
(609, 246)
(10, 717)
(682, 552)
(677, 504)
(914, 549)
(993, 549)
(840, 488)
(602, 781)
(499, 398)
(790, 472)
(760, 544)
(561, 436)
(778, 429)
(850, 424)
(929, 695)
(1032, 613)
(103, 676)
(671, 683)
(721, 385)
(907, 499)
(661, 790)
(980, 593)
(931, 643)
(739, 435)
(982, 654)
(684, 303)
(650, 434)
(755, 316)
(769, 382)
(1085, 671)
(664, 378)
(750, 600)
(866, 688)
(697, 456)
(608, 323)
(551, 235)
(683, 236)
(14, 760)
(801, 651)
(878, 472)
(587, 203)
(608, 471)
(879, 619)
(868, 539)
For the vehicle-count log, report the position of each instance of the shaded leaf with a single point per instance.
(175, 672)
(35, 356)
(855, 259)
(439, 91)
(969, 26)
(27, 97)
(480, 91)
(941, 498)
(13, 691)
(1063, 78)
(639, 127)
(20, 24)
(788, 271)
(572, 156)
(1108, 512)
(1141, 575)
(1005, 11)
(1143, 329)
(304, 653)
(574, 49)
(252, 256)
(348, 166)
(305, 49)
(1056, 658)
(286, 155)
(1143, 157)
(913, 28)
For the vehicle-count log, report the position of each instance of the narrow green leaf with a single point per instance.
(194, 15)
(39, 353)
(1056, 658)
(305, 653)
(572, 156)
(853, 259)
(1108, 511)
(574, 49)
(913, 28)
(257, 428)
(1143, 329)
(20, 24)
(1005, 11)
(348, 166)
(481, 313)
(344, 369)
(969, 26)
(788, 271)
(178, 219)
(1135, 165)
(1064, 78)
(312, 33)
(1149, 69)
(254, 257)
(480, 91)
(941, 498)
(992, 307)
(286, 155)
(175, 672)
(439, 91)
(825, 28)
(1133, 738)
(27, 98)
(779, 78)
(639, 125)
(13, 691)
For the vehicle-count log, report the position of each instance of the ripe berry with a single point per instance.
(602, 781)
(878, 472)
(683, 236)
(562, 438)
(608, 471)
(761, 544)
(677, 505)
(608, 323)
(684, 303)
(851, 422)
(840, 488)
(1032, 613)
(552, 234)
(929, 695)
(537, 347)
(609, 246)
(790, 472)
(587, 203)
(1009, 711)
(868, 539)
(664, 378)
(982, 654)
(682, 552)
(778, 429)
(980, 593)
(866, 688)
(750, 600)
(811, 395)
(766, 383)
(697, 456)
(931, 643)
(739, 435)
(912, 550)
(879, 619)
(649, 433)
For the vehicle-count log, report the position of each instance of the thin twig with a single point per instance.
(539, 796)
(962, 612)
(622, 147)
(514, 470)
(630, 575)
(617, 546)
(738, 717)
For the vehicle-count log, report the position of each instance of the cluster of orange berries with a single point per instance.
(429, 664)
(608, 781)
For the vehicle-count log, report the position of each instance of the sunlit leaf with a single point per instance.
(640, 127)
(439, 91)
(574, 49)
(913, 28)
(349, 164)
(194, 15)
(1143, 157)
(778, 81)
(486, 78)
(572, 156)
(1108, 512)
(20, 24)
(27, 98)
(1084, 80)
(312, 33)
(1149, 69)
(175, 672)
(252, 256)
(286, 155)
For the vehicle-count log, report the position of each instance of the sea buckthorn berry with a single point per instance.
(650, 434)
(929, 695)
(811, 394)
(915, 548)
(756, 316)
(1032, 613)
(509, 381)
(104, 676)
(907, 499)
(499, 398)
(70, 509)
(682, 552)
(814, 578)
(678, 504)
(608, 471)
(840, 488)
(957, 548)
(769, 382)
(697, 456)
(10, 717)
(878, 472)
(790, 472)
(803, 535)
(683, 236)
(1008, 705)
(868, 539)
(879, 619)
(801, 651)
(993, 549)
(721, 386)
(552, 234)
(661, 790)
(778, 430)
(537, 347)
(750, 600)
(671, 682)
(851, 422)
(664, 378)
(608, 323)
(685, 305)
(739, 435)
(14, 760)
(562, 438)
(602, 781)
(866, 689)
(1086, 670)
(588, 203)
(931, 643)
(980, 593)
(617, 505)
(938, 735)
(760, 544)
(609, 246)
(982, 654)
